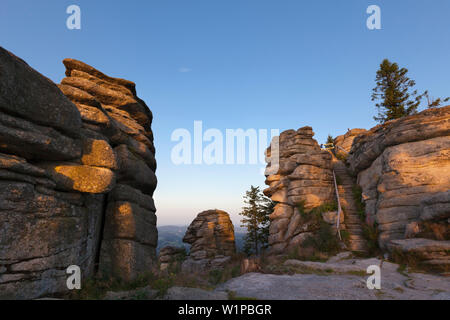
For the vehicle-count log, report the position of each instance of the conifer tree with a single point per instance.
(256, 220)
(330, 140)
(393, 91)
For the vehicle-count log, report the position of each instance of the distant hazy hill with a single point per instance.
(173, 236)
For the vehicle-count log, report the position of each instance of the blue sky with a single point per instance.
(261, 64)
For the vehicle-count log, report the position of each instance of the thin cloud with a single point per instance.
(184, 70)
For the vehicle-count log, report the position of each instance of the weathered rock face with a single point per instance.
(118, 123)
(170, 255)
(431, 254)
(403, 168)
(60, 178)
(344, 142)
(305, 179)
(211, 236)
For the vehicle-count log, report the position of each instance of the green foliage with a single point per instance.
(341, 156)
(256, 220)
(345, 235)
(316, 213)
(360, 205)
(163, 284)
(434, 103)
(215, 276)
(232, 296)
(330, 140)
(176, 262)
(95, 288)
(326, 207)
(371, 233)
(324, 240)
(235, 271)
(393, 93)
(305, 254)
(301, 209)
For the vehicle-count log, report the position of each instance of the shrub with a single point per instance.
(215, 276)
(341, 156)
(371, 233)
(324, 240)
(360, 205)
(345, 235)
(315, 215)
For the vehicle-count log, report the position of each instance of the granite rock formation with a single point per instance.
(170, 255)
(303, 180)
(69, 185)
(115, 118)
(403, 168)
(211, 236)
(344, 142)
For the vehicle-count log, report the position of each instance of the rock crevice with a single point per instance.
(68, 159)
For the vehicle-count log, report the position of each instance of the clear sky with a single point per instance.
(262, 64)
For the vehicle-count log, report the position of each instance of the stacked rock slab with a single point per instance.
(403, 168)
(343, 144)
(211, 236)
(51, 199)
(170, 255)
(114, 116)
(304, 178)
(59, 174)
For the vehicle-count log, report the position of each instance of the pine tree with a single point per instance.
(330, 140)
(393, 89)
(256, 220)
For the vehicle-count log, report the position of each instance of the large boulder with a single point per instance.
(429, 254)
(31, 96)
(64, 193)
(400, 165)
(211, 236)
(403, 169)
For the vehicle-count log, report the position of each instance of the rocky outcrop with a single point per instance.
(403, 168)
(343, 144)
(115, 118)
(423, 253)
(170, 255)
(339, 280)
(211, 236)
(65, 173)
(304, 181)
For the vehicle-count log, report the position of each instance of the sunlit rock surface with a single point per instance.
(403, 168)
(304, 179)
(211, 236)
(67, 196)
